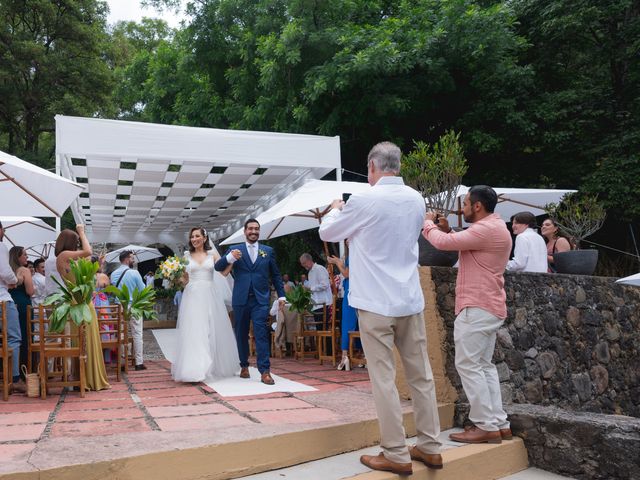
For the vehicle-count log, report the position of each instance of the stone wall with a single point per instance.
(569, 341)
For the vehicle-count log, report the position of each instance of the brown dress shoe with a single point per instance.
(380, 462)
(505, 433)
(431, 460)
(267, 379)
(476, 435)
(244, 372)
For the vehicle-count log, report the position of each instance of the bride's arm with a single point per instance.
(227, 270)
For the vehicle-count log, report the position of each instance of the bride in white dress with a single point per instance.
(206, 342)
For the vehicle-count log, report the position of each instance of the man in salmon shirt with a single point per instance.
(480, 307)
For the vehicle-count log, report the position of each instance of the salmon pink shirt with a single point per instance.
(484, 252)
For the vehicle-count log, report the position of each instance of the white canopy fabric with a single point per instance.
(512, 201)
(149, 183)
(26, 189)
(26, 232)
(141, 253)
(630, 280)
(301, 210)
(43, 250)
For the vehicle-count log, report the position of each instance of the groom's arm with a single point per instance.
(276, 278)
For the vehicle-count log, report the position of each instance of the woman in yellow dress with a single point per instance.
(67, 249)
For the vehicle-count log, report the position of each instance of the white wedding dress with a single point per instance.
(206, 347)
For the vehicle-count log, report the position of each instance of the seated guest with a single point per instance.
(530, 252)
(303, 281)
(21, 295)
(288, 284)
(556, 241)
(38, 283)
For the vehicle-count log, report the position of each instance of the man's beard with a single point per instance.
(471, 218)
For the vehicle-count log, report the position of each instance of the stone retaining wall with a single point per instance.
(569, 341)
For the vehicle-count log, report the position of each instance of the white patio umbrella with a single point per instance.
(301, 210)
(44, 250)
(512, 201)
(26, 232)
(141, 253)
(630, 280)
(30, 190)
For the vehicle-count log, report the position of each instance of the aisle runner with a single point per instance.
(235, 386)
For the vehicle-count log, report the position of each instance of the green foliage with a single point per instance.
(72, 302)
(578, 215)
(136, 304)
(436, 170)
(299, 298)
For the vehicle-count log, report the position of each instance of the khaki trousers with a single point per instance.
(378, 335)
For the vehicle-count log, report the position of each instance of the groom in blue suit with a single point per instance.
(253, 266)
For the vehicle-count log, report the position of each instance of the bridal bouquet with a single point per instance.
(172, 269)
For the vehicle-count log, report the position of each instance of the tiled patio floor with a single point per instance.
(147, 411)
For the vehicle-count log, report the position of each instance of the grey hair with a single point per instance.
(386, 157)
(306, 257)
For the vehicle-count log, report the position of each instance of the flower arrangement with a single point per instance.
(172, 269)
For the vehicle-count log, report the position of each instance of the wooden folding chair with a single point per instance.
(111, 329)
(353, 334)
(6, 354)
(68, 345)
(33, 339)
(307, 329)
(328, 338)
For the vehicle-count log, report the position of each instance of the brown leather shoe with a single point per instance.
(431, 460)
(380, 462)
(244, 372)
(505, 433)
(267, 379)
(476, 435)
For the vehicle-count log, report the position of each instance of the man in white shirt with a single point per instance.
(149, 278)
(383, 226)
(530, 252)
(318, 282)
(39, 283)
(14, 337)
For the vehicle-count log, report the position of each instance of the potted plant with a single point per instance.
(436, 172)
(136, 304)
(578, 216)
(72, 302)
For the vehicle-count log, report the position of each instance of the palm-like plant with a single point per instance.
(300, 299)
(136, 304)
(578, 215)
(72, 302)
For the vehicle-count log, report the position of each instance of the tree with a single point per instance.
(51, 61)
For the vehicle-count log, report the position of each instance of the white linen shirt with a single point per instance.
(320, 285)
(529, 254)
(383, 226)
(7, 277)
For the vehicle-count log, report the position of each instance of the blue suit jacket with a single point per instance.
(253, 277)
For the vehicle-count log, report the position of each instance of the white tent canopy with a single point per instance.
(26, 189)
(512, 201)
(149, 183)
(141, 253)
(301, 210)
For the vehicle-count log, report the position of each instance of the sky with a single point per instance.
(131, 10)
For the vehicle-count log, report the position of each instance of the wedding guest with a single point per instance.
(530, 252)
(149, 278)
(39, 283)
(383, 226)
(125, 274)
(480, 307)
(288, 284)
(349, 320)
(21, 295)
(72, 246)
(303, 281)
(556, 241)
(100, 300)
(31, 268)
(8, 281)
(319, 284)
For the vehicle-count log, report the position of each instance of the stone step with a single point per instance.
(461, 462)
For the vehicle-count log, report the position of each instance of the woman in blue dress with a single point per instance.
(349, 321)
